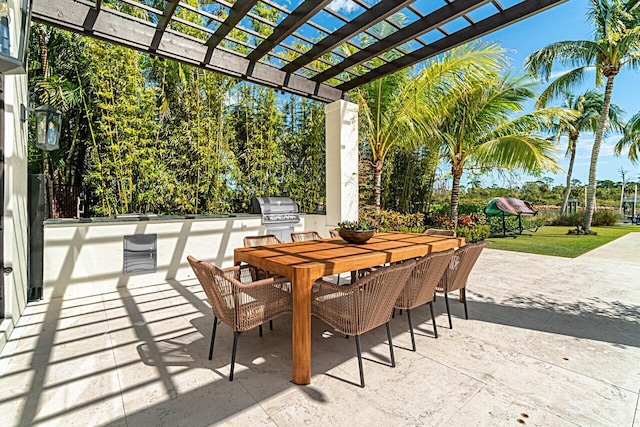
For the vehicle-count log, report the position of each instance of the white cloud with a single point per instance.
(343, 6)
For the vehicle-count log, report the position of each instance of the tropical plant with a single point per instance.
(630, 138)
(480, 129)
(615, 45)
(401, 110)
(589, 105)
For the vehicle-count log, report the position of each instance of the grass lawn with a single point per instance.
(555, 241)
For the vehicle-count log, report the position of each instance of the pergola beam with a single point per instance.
(508, 16)
(119, 28)
(292, 22)
(422, 26)
(362, 22)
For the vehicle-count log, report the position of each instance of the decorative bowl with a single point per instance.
(356, 236)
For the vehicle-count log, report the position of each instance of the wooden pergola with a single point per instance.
(316, 49)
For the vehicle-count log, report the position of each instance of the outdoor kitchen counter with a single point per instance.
(84, 257)
(138, 218)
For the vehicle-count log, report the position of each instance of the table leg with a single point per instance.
(301, 330)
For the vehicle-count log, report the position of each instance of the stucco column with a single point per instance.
(342, 161)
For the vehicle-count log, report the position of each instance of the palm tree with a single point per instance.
(480, 129)
(589, 105)
(631, 138)
(616, 44)
(399, 110)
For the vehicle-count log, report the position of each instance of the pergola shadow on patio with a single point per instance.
(550, 341)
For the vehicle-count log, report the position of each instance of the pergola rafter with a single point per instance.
(369, 18)
(300, 53)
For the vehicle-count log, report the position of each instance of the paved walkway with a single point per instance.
(551, 342)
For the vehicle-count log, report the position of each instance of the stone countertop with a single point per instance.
(152, 217)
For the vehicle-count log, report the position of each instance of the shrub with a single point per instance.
(572, 220)
(474, 233)
(472, 227)
(463, 209)
(605, 217)
(392, 221)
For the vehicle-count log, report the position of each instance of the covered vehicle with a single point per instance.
(509, 206)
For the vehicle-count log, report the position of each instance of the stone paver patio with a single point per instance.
(550, 342)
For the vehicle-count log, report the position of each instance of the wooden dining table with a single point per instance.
(305, 262)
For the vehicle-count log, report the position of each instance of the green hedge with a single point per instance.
(600, 218)
(474, 233)
(385, 220)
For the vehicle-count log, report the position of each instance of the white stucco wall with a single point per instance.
(341, 134)
(15, 205)
(82, 259)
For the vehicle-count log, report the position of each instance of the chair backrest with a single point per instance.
(237, 299)
(303, 236)
(439, 232)
(424, 278)
(376, 294)
(219, 288)
(266, 239)
(333, 232)
(456, 275)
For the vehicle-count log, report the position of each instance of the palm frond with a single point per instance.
(562, 85)
(526, 152)
(631, 139)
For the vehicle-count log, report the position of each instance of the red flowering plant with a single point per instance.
(473, 227)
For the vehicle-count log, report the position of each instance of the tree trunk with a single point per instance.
(456, 171)
(377, 183)
(595, 152)
(567, 191)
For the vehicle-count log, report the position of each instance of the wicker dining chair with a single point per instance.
(439, 232)
(421, 286)
(239, 301)
(305, 236)
(333, 232)
(266, 239)
(364, 305)
(456, 275)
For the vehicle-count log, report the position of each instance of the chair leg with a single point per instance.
(260, 330)
(393, 313)
(360, 361)
(213, 336)
(413, 339)
(271, 325)
(233, 354)
(433, 320)
(464, 296)
(393, 359)
(446, 301)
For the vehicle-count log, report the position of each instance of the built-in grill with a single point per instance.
(279, 215)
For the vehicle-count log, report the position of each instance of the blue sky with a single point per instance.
(568, 22)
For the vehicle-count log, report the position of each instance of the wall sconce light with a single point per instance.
(15, 21)
(48, 123)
